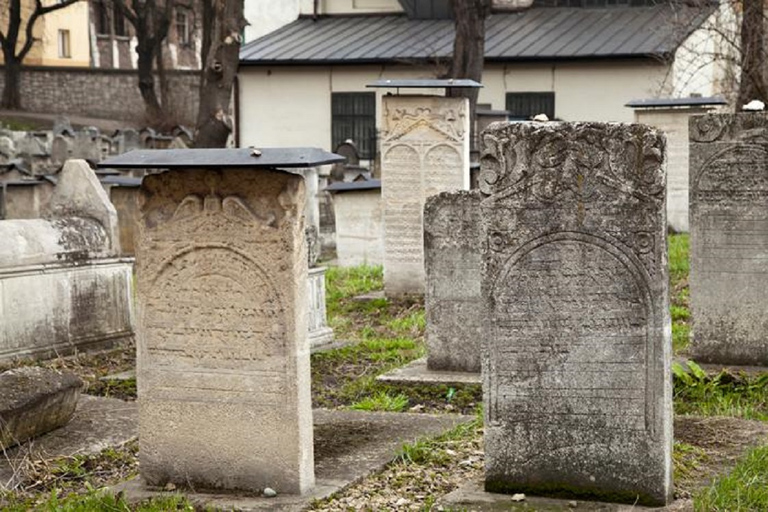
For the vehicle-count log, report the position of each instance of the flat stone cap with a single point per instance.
(269, 158)
(349, 186)
(428, 83)
(677, 102)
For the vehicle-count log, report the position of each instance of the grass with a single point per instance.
(387, 334)
(439, 450)
(724, 394)
(743, 489)
(686, 458)
(678, 287)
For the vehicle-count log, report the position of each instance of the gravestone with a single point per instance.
(85, 145)
(223, 358)
(425, 151)
(453, 301)
(577, 389)
(729, 238)
(61, 148)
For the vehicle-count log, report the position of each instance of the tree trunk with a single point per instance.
(12, 87)
(147, 84)
(752, 85)
(469, 50)
(214, 122)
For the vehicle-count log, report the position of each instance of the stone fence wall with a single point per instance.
(108, 93)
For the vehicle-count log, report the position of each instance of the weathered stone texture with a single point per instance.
(674, 123)
(425, 151)
(34, 401)
(576, 379)
(223, 358)
(61, 286)
(453, 302)
(729, 237)
(319, 332)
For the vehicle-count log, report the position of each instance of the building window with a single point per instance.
(119, 22)
(183, 26)
(64, 50)
(525, 105)
(101, 18)
(353, 116)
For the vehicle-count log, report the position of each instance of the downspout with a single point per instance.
(315, 9)
(237, 109)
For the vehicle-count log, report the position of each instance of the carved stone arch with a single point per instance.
(189, 281)
(730, 162)
(603, 254)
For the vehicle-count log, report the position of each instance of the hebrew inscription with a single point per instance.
(425, 150)
(729, 238)
(223, 356)
(575, 292)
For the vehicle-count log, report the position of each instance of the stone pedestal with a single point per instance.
(576, 371)
(425, 151)
(319, 332)
(223, 357)
(453, 302)
(729, 238)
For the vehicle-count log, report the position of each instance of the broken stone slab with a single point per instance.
(98, 423)
(34, 401)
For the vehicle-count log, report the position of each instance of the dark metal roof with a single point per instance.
(121, 181)
(271, 158)
(350, 186)
(677, 102)
(427, 83)
(536, 33)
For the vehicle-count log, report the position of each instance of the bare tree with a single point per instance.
(752, 85)
(223, 24)
(14, 48)
(151, 21)
(469, 48)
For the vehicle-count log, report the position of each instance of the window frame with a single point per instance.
(531, 96)
(363, 123)
(65, 44)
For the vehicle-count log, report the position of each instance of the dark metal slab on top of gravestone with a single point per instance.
(217, 158)
(729, 237)
(577, 393)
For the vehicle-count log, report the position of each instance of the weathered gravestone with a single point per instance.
(574, 280)
(729, 238)
(223, 359)
(425, 150)
(453, 302)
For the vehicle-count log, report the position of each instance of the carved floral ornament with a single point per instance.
(403, 121)
(578, 159)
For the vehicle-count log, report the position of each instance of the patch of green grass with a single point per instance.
(382, 401)
(345, 283)
(679, 293)
(743, 489)
(687, 459)
(678, 257)
(681, 334)
(20, 125)
(723, 394)
(435, 450)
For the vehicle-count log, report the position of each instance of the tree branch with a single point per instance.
(39, 11)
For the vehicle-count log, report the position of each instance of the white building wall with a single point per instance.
(291, 106)
(351, 6)
(266, 16)
(706, 63)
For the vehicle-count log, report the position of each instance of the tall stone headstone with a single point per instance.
(576, 380)
(729, 238)
(425, 151)
(223, 357)
(453, 302)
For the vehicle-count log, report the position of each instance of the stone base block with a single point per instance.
(34, 401)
